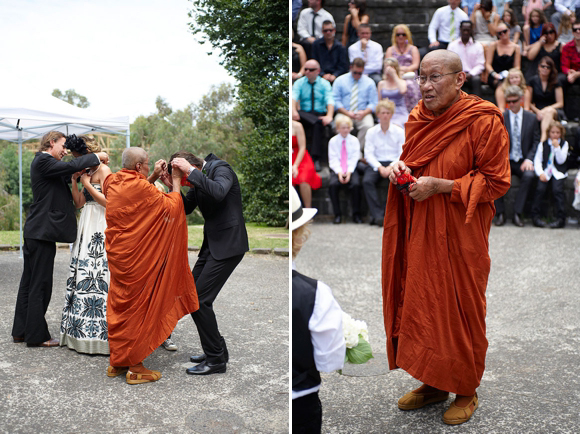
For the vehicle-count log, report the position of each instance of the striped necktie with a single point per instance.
(354, 97)
(452, 31)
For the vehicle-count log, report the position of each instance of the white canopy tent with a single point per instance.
(28, 115)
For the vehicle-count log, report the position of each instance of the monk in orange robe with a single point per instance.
(151, 284)
(435, 261)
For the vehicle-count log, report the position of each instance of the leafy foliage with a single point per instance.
(252, 37)
(72, 97)
(9, 169)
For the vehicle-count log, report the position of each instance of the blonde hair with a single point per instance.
(391, 61)
(506, 83)
(299, 237)
(565, 23)
(45, 144)
(91, 142)
(342, 119)
(385, 104)
(407, 32)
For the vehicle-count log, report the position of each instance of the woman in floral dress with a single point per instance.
(84, 316)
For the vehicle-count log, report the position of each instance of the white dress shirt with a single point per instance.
(326, 333)
(471, 55)
(441, 23)
(566, 6)
(335, 151)
(383, 146)
(560, 155)
(373, 56)
(304, 27)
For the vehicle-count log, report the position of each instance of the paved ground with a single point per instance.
(56, 390)
(532, 381)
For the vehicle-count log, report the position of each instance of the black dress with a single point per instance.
(504, 62)
(540, 97)
(295, 60)
(555, 55)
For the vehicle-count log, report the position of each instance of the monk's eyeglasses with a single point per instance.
(433, 78)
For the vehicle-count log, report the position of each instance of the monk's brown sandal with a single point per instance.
(115, 371)
(413, 400)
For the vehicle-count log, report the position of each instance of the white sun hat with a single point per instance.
(300, 215)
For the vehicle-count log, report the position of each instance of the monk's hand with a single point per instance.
(427, 186)
(397, 167)
(158, 168)
(166, 178)
(182, 164)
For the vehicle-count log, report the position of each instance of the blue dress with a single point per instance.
(401, 114)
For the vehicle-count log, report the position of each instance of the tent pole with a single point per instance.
(128, 137)
(20, 183)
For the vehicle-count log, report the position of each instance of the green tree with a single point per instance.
(9, 169)
(72, 97)
(252, 37)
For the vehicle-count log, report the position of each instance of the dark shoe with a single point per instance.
(356, 218)
(379, 222)
(560, 223)
(372, 221)
(202, 357)
(17, 339)
(337, 220)
(317, 166)
(49, 343)
(518, 220)
(205, 368)
(539, 223)
(500, 219)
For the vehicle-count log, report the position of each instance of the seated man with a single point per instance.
(383, 146)
(330, 54)
(151, 284)
(343, 156)
(309, 27)
(524, 134)
(370, 51)
(313, 106)
(355, 96)
(472, 57)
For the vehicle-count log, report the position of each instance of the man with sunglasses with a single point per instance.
(330, 53)
(313, 106)
(524, 132)
(571, 67)
(472, 57)
(435, 261)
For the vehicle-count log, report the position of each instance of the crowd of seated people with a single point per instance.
(339, 86)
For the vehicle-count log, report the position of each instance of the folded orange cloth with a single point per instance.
(151, 283)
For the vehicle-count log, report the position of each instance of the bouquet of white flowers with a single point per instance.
(356, 335)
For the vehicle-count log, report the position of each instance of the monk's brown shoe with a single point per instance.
(413, 400)
(115, 371)
(142, 377)
(456, 415)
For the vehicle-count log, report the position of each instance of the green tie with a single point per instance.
(452, 31)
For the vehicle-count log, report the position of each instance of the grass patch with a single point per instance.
(257, 234)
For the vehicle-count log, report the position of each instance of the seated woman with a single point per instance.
(84, 316)
(565, 30)
(510, 20)
(529, 5)
(298, 60)
(393, 87)
(303, 172)
(545, 96)
(533, 30)
(500, 57)
(356, 15)
(550, 167)
(515, 78)
(547, 45)
(407, 55)
(485, 22)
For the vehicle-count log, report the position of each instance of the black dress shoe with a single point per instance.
(372, 221)
(202, 357)
(337, 220)
(500, 219)
(518, 220)
(205, 368)
(560, 223)
(539, 223)
(317, 166)
(356, 218)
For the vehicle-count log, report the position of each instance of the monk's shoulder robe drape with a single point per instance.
(151, 283)
(435, 260)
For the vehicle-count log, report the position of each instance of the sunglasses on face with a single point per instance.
(356, 73)
(576, 30)
(545, 66)
(310, 69)
(513, 101)
(400, 34)
(328, 30)
(501, 32)
(550, 32)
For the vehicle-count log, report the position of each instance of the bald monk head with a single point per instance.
(441, 78)
(136, 159)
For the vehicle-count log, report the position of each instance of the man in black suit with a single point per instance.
(216, 191)
(51, 218)
(524, 133)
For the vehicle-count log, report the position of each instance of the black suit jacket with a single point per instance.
(219, 198)
(52, 213)
(530, 133)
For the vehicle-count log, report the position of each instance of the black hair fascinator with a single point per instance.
(75, 144)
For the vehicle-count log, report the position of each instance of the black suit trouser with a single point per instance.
(370, 180)
(313, 127)
(307, 414)
(34, 292)
(557, 192)
(354, 188)
(210, 275)
(526, 178)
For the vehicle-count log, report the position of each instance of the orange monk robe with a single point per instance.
(151, 283)
(435, 260)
